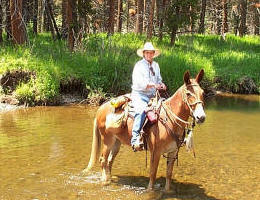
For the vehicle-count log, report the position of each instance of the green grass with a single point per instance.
(105, 63)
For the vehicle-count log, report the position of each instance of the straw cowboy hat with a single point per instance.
(148, 47)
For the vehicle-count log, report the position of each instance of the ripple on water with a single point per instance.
(94, 178)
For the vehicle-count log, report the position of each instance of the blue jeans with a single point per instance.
(140, 102)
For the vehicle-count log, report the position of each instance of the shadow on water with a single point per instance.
(234, 102)
(178, 190)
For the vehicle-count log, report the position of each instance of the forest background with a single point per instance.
(88, 48)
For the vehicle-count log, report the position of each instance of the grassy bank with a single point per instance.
(105, 64)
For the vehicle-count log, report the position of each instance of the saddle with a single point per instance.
(122, 109)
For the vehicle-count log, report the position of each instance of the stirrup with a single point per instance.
(138, 147)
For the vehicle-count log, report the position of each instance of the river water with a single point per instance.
(44, 149)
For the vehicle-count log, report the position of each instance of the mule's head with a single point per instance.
(193, 96)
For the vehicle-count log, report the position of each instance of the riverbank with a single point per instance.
(44, 71)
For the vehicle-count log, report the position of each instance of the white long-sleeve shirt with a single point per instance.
(142, 76)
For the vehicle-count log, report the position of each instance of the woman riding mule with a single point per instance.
(162, 137)
(146, 78)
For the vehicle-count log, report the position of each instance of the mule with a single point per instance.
(164, 137)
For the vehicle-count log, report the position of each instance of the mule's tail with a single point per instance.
(95, 150)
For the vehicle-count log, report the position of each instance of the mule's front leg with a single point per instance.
(154, 162)
(171, 157)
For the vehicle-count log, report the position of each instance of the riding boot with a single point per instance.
(136, 143)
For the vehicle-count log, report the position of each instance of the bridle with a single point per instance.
(185, 96)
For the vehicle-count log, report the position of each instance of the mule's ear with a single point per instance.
(200, 76)
(186, 78)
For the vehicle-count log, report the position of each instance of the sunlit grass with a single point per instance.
(107, 62)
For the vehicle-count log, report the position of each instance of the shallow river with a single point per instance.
(44, 149)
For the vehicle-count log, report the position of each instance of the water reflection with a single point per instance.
(233, 102)
(44, 149)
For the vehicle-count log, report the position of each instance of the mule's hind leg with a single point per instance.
(171, 157)
(114, 151)
(109, 141)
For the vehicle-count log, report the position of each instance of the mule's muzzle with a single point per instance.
(200, 119)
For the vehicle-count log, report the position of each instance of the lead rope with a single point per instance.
(146, 157)
(168, 110)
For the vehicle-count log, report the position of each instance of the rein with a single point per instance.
(184, 93)
(172, 116)
(169, 112)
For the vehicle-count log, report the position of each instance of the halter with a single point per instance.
(185, 97)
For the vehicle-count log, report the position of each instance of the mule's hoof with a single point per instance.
(114, 177)
(149, 189)
(168, 191)
(84, 172)
(105, 183)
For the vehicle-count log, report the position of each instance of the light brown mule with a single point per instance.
(163, 137)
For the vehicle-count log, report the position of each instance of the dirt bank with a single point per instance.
(73, 91)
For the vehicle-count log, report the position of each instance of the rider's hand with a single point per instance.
(160, 86)
(150, 85)
(163, 87)
(157, 86)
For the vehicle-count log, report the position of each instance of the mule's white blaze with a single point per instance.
(199, 113)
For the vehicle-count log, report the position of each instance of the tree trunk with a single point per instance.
(225, 16)
(46, 20)
(150, 21)
(242, 27)
(26, 11)
(162, 16)
(1, 22)
(174, 28)
(51, 18)
(158, 12)
(72, 23)
(119, 15)
(224, 20)
(35, 16)
(64, 28)
(41, 15)
(173, 35)
(139, 16)
(219, 19)
(144, 16)
(191, 19)
(256, 18)
(202, 17)
(81, 23)
(8, 28)
(17, 24)
(111, 18)
(127, 16)
(235, 13)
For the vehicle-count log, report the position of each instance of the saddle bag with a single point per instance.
(151, 115)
